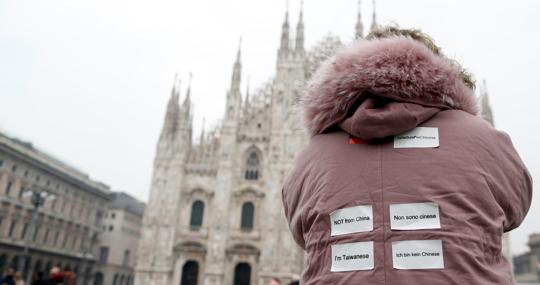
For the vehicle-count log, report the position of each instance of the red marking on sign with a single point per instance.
(354, 140)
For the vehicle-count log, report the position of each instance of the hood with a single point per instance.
(382, 87)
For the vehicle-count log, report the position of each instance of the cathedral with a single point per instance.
(214, 214)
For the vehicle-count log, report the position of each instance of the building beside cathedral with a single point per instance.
(50, 212)
(214, 214)
(121, 230)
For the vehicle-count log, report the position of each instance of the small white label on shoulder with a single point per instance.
(352, 220)
(417, 254)
(415, 216)
(420, 137)
(352, 256)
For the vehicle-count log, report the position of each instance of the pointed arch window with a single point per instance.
(248, 211)
(190, 273)
(253, 165)
(197, 213)
(242, 274)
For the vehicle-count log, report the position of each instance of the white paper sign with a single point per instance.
(417, 254)
(352, 256)
(420, 137)
(415, 216)
(352, 220)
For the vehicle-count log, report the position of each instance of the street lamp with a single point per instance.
(85, 253)
(37, 198)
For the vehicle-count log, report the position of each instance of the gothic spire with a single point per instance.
(285, 31)
(187, 101)
(234, 98)
(175, 91)
(374, 25)
(246, 100)
(171, 115)
(175, 88)
(239, 52)
(178, 88)
(487, 113)
(300, 29)
(201, 139)
(237, 69)
(190, 129)
(359, 26)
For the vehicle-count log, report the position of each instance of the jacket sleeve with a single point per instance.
(293, 214)
(510, 181)
(293, 204)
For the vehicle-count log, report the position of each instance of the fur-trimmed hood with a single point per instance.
(396, 74)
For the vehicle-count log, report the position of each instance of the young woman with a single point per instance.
(402, 182)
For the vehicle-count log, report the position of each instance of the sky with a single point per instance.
(88, 81)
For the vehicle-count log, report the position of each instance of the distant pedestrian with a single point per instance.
(40, 279)
(69, 277)
(8, 278)
(18, 278)
(55, 277)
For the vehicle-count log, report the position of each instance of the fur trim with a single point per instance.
(398, 68)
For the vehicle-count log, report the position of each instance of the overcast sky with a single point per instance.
(88, 81)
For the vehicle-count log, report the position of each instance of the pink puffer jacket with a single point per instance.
(402, 183)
